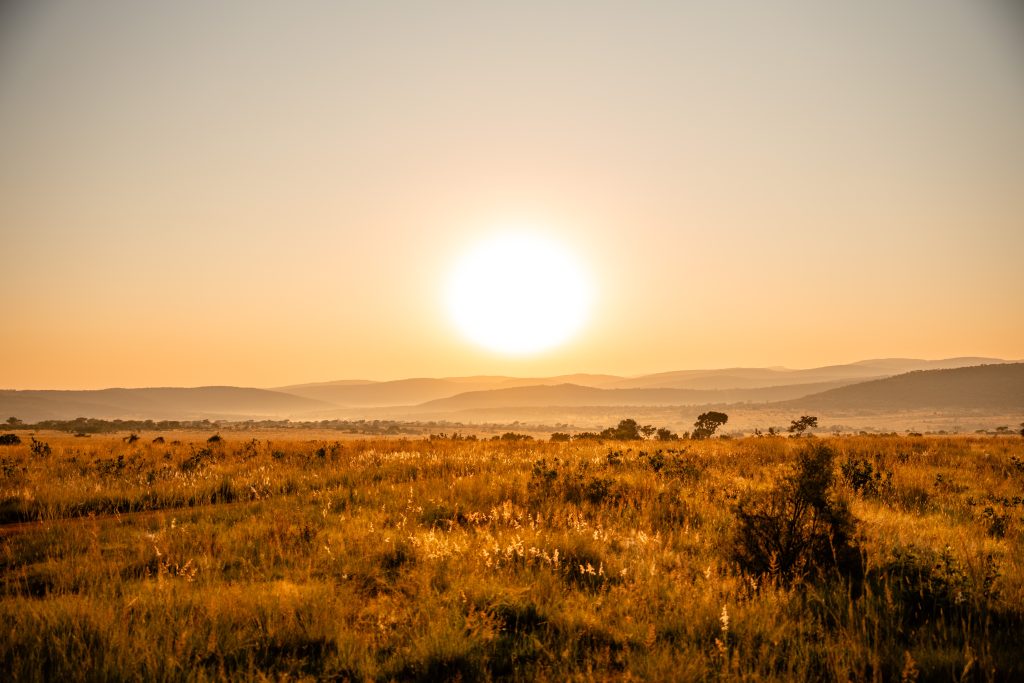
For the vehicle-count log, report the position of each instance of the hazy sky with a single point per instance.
(270, 193)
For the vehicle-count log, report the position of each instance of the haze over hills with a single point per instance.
(574, 395)
(409, 392)
(168, 403)
(405, 392)
(980, 388)
(854, 386)
(737, 378)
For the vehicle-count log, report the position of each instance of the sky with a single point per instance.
(264, 194)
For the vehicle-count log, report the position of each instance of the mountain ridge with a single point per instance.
(436, 396)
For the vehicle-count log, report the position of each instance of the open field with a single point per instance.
(373, 559)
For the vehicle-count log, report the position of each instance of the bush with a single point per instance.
(512, 436)
(863, 478)
(197, 460)
(9, 440)
(798, 529)
(926, 585)
(40, 449)
(996, 523)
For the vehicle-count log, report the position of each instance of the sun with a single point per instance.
(518, 293)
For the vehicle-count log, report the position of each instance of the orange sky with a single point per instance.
(273, 193)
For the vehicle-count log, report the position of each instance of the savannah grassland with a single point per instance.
(438, 560)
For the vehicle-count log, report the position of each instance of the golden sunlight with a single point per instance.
(518, 293)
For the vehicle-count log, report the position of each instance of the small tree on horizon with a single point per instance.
(626, 430)
(707, 424)
(798, 427)
(665, 434)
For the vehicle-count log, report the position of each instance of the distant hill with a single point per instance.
(156, 403)
(749, 378)
(405, 392)
(994, 388)
(853, 385)
(574, 395)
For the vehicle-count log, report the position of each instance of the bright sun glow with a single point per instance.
(518, 293)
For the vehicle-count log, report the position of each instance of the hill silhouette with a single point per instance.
(574, 395)
(841, 387)
(163, 403)
(997, 388)
(405, 392)
(749, 378)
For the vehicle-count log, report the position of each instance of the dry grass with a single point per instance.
(431, 560)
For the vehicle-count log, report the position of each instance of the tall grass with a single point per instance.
(434, 559)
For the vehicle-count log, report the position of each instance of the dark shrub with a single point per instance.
(926, 585)
(512, 436)
(664, 434)
(798, 529)
(586, 436)
(197, 460)
(996, 524)
(864, 478)
(214, 439)
(559, 437)
(542, 480)
(394, 558)
(442, 515)
(40, 449)
(9, 440)
(657, 461)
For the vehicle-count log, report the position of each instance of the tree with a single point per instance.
(14, 422)
(798, 427)
(664, 434)
(647, 431)
(708, 423)
(627, 430)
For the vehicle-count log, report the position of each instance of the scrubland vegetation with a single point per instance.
(771, 558)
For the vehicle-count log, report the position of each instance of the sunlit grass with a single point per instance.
(426, 560)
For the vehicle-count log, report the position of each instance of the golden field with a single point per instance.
(417, 559)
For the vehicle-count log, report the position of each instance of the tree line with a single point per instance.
(705, 427)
